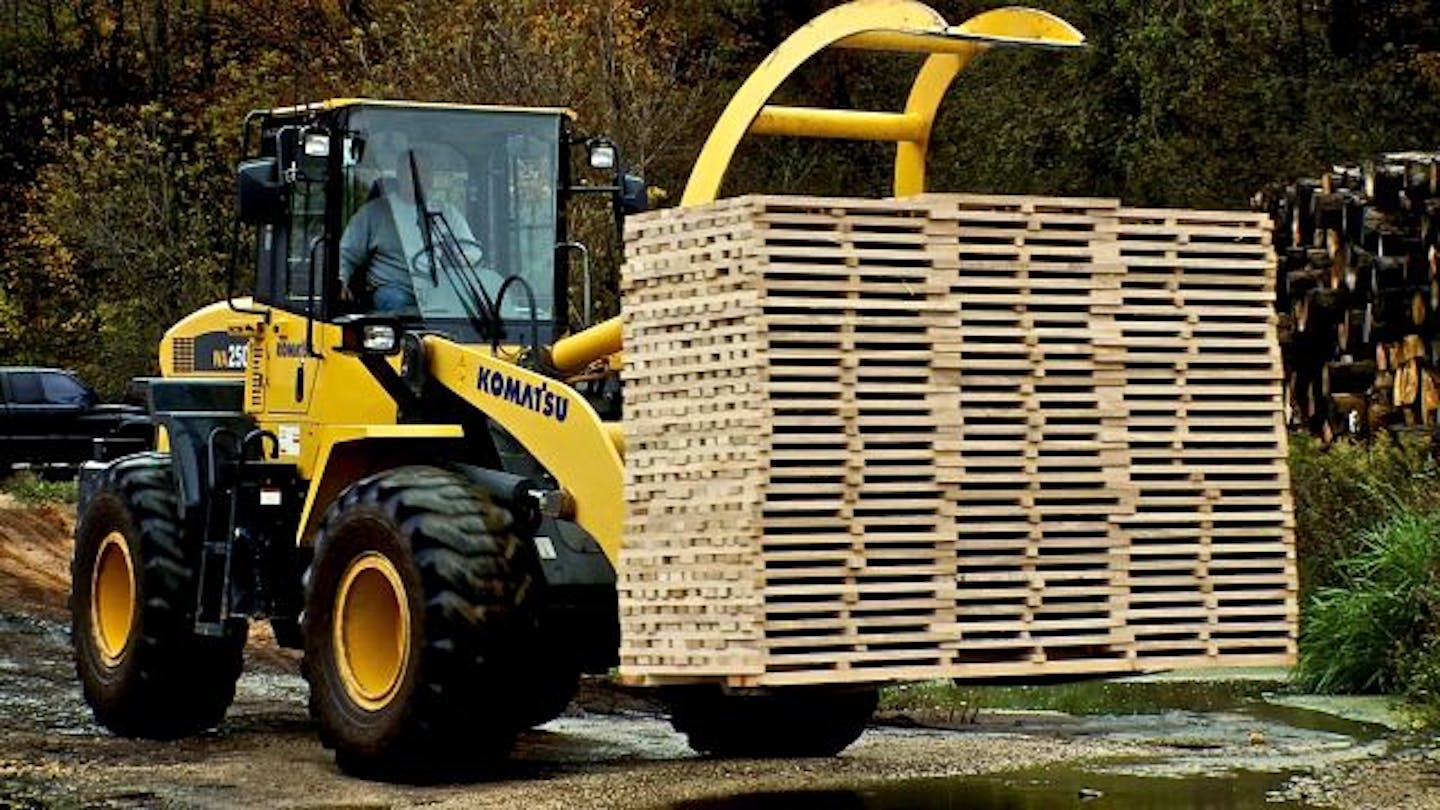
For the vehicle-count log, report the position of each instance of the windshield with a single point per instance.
(443, 206)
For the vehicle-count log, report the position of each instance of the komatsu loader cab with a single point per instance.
(472, 197)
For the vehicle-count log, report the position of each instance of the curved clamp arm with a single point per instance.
(903, 26)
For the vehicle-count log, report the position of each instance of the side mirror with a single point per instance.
(260, 192)
(634, 194)
(368, 334)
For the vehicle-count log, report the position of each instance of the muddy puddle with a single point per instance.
(1217, 745)
(1048, 790)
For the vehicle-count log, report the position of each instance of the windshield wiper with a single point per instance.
(479, 309)
(417, 190)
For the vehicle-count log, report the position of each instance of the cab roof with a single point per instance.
(339, 103)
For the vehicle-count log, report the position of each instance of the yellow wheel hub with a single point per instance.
(112, 598)
(371, 630)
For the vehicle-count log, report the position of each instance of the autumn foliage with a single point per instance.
(121, 117)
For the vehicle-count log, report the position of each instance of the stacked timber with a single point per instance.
(951, 436)
(1210, 530)
(1358, 294)
(1041, 558)
(789, 376)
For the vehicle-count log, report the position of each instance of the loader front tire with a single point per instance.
(143, 670)
(789, 722)
(415, 606)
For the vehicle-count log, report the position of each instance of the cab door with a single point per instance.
(290, 351)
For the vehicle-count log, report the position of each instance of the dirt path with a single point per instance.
(35, 557)
(267, 753)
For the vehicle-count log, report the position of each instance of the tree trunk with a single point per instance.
(1348, 377)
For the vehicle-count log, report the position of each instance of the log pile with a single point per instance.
(951, 436)
(1358, 250)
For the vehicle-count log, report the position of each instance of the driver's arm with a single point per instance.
(357, 245)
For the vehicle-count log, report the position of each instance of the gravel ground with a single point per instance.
(267, 754)
(1406, 778)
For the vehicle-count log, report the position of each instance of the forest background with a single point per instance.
(121, 118)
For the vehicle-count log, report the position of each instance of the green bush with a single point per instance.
(1348, 488)
(27, 487)
(1374, 629)
(1420, 672)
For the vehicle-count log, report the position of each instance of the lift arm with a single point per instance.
(552, 421)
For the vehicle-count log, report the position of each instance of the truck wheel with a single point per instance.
(144, 671)
(546, 689)
(791, 722)
(414, 606)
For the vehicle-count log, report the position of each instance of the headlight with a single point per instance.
(380, 338)
(369, 334)
(602, 156)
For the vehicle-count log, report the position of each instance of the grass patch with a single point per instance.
(1087, 697)
(27, 487)
(1375, 631)
(1367, 532)
(1349, 488)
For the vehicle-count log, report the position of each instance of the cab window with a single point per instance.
(488, 182)
(25, 388)
(290, 252)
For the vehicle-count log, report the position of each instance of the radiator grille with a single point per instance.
(184, 353)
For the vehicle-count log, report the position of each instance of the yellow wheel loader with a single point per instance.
(399, 450)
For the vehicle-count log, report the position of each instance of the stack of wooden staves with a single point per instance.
(1358, 294)
(950, 436)
(1040, 556)
(1211, 556)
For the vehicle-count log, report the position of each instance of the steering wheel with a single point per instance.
(488, 278)
(470, 249)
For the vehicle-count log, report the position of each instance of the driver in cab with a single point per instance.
(383, 244)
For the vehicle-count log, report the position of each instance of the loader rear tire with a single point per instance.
(545, 691)
(144, 671)
(415, 605)
(790, 722)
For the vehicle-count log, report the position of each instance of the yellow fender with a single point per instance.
(902, 26)
(347, 453)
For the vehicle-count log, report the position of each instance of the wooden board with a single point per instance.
(950, 436)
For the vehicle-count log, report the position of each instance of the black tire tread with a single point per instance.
(792, 722)
(465, 553)
(181, 683)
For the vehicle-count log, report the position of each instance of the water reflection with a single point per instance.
(1050, 789)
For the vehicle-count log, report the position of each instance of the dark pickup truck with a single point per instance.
(50, 417)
